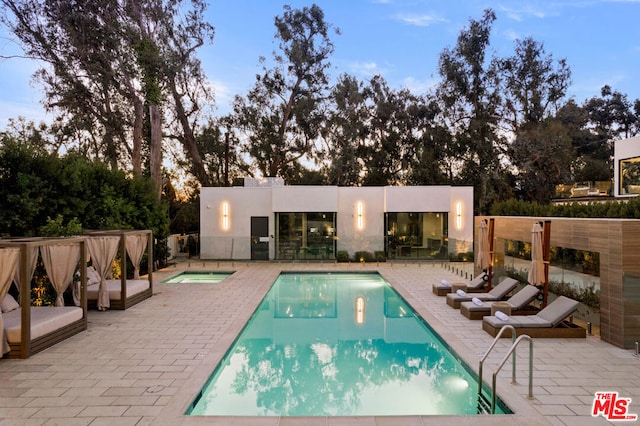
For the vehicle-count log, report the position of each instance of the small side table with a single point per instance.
(458, 286)
(503, 307)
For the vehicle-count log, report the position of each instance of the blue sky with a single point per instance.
(399, 39)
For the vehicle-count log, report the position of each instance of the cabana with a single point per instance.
(104, 246)
(28, 329)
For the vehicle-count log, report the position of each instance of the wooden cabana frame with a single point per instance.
(29, 346)
(126, 301)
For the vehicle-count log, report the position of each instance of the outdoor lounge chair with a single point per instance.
(549, 322)
(499, 292)
(476, 285)
(518, 303)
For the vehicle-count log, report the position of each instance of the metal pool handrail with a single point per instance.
(512, 352)
(486, 354)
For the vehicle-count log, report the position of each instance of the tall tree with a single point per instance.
(533, 86)
(187, 89)
(85, 67)
(469, 99)
(281, 113)
(533, 89)
(379, 136)
(143, 29)
(428, 160)
(611, 117)
(397, 123)
(345, 132)
(112, 65)
(218, 147)
(586, 164)
(543, 154)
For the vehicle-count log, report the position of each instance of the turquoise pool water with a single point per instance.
(338, 344)
(198, 277)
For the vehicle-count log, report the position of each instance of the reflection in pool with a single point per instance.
(337, 344)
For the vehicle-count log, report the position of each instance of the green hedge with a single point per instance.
(629, 209)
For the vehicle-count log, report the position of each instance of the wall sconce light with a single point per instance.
(225, 216)
(359, 310)
(360, 215)
(459, 215)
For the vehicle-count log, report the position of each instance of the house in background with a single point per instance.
(626, 176)
(266, 220)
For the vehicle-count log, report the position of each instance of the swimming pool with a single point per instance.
(198, 277)
(337, 344)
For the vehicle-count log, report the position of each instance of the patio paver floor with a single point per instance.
(144, 365)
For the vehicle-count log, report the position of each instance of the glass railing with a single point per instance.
(584, 189)
(354, 249)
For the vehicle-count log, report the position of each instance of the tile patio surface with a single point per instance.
(145, 365)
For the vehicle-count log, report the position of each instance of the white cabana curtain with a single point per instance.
(32, 259)
(60, 261)
(135, 249)
(8, 264)
(536, 271)
(102, 251)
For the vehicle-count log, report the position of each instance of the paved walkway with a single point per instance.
(144, 365)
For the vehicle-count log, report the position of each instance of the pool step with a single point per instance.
(484, 405)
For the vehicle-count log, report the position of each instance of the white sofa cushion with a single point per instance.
(44, 320)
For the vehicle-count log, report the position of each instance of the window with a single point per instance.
(306, 235)
(416, 235)
(630, 176)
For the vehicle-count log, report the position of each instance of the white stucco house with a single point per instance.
(626, 174)
(267, 220)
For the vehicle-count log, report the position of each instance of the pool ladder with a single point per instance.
(489, 407)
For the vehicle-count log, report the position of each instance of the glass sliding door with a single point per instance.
(306, 236)
(413, 235)
(320, 236)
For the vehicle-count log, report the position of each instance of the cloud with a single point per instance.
(512, 35)
(364, 69)
(223, 94)
(423, 20)
(589, 86)
(418, 86)
(526, 12)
